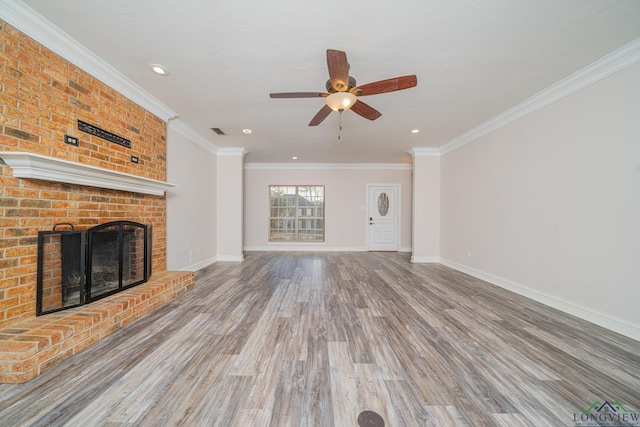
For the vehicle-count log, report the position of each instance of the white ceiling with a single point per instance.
(473, 58)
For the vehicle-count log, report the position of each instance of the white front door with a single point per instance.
(383, 217)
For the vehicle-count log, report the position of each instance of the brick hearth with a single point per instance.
(30, 347)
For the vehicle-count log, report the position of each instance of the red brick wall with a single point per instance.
(41, 98)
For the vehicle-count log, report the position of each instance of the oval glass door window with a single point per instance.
(383, 204)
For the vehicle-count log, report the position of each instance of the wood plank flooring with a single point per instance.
(314, 339)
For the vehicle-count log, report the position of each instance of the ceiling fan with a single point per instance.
(342, 93)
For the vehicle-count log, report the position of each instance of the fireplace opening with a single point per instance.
(76, 267)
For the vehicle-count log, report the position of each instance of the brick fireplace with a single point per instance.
(42, 98)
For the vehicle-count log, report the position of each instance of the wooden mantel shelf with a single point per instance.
(37, 166)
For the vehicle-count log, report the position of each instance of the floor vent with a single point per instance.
(218, 131)
(370, 419)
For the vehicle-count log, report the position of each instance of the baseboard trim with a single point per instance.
(424, 260)
(302, 248)
(233, 258)
(201, 264)
(614, 324)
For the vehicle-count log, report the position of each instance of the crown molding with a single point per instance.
(34, 25)
(424, 151)
(232, 151)
(37, 166)
(615, 61)
(328, 166)
(186, 131)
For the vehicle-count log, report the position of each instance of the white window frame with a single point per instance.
(290, 224)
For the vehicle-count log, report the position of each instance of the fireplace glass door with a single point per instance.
(117, 254)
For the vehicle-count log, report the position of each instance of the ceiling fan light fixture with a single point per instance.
(341, 101)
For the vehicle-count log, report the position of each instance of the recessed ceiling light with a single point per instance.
(294, 158)
(415, 131)
(159, 69)
(247, 130)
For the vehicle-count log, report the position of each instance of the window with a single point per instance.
(296, 213)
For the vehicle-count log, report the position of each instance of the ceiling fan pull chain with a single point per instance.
(339, 125)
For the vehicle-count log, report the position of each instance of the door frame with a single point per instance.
(398, 188)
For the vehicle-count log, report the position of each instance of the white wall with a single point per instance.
(426, 206)
(230, 204)
(345, 203)
(191, 206)
(550, 204)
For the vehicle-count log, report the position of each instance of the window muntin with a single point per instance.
(296, 213)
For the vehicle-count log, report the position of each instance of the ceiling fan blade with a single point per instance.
(338, 69)
(365, 110)
(320, 116)
(298, 95)
(388, 85)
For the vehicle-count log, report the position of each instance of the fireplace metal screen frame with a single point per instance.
(52, 292)
(92, 232)
(42, 236)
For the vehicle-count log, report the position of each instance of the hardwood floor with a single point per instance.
(314, 339)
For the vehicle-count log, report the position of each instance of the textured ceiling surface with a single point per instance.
(473, 59)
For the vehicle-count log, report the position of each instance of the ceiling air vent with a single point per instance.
(218, 131)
